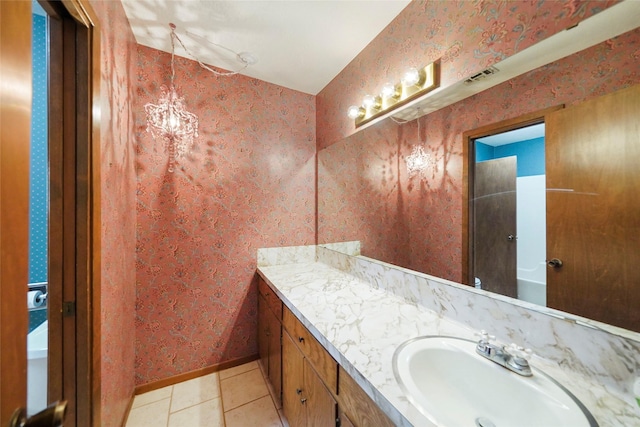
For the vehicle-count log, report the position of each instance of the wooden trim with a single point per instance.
(15, 126)
(56, 231)
(87, 211)
(468, 168)
(144, 388)
(128, 410)
(74, 349)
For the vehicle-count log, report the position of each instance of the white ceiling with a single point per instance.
(517, 135)
(299, 44)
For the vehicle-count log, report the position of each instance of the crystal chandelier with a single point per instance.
(419, 161)
(169, 120)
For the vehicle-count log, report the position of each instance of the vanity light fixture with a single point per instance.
(414, 83)
(169, 120)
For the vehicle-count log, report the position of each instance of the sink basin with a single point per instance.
(451, 385)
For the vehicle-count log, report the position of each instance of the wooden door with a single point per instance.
(320, 405)
(292, 382)
(494, 225)
(593, 208)
(15, 122)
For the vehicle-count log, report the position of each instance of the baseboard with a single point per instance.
(129, 405)
(193, 374)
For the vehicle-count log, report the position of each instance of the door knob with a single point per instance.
(511, 237)
(53, 416)
(555, 263)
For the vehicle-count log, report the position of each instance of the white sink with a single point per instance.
(450, 384)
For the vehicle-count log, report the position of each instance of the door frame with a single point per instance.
(468, 173)
(75, 226)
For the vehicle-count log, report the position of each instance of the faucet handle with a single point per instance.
(484, 336)
(524, 354)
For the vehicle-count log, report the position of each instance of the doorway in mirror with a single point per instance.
(509, 221)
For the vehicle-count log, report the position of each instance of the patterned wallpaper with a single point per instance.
(468, 36)
(248, 183)
(364, 192)
(118, 70)
(39, 175)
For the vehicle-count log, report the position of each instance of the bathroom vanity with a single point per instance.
(330, 322)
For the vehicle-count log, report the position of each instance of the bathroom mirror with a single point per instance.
(365, 192)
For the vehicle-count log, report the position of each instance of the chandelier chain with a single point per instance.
(206, 67)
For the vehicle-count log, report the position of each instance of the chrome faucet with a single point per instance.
(512, 357)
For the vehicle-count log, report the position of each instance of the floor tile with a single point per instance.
(192, 392)
(151, 415)
(207, 414)
(243, 388)
(152, 396)
(238, 370)
(260, 412)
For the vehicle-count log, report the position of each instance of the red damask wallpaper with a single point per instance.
(248, 183)
(467, 36)
(118, 196)
(364, 192)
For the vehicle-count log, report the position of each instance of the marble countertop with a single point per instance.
(361, 327)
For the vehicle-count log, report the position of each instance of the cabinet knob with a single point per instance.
(301, 339)
(298, 391)
(303, 400)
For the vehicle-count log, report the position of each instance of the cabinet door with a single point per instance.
(292, 383)
(263, 334)
(344, 420)
(321, 407)
(275, 355)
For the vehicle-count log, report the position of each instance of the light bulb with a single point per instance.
(354, 112)
(388, 90)
(411, 77)
(368, 101)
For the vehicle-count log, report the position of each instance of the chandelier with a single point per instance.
(169, 120)
(419, 161)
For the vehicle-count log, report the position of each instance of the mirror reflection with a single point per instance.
(509, 224)
(365, 192)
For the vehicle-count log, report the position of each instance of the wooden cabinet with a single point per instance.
(358, 406)
(323, 363)
(305, 399)
(315, 392)
(344, 421)
(270, 336)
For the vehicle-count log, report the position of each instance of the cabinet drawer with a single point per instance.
(358, 406)
(322, 362)
(273, 302)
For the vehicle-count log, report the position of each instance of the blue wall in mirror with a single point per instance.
(530, 155)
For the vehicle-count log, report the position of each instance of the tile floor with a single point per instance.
(235, 397)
